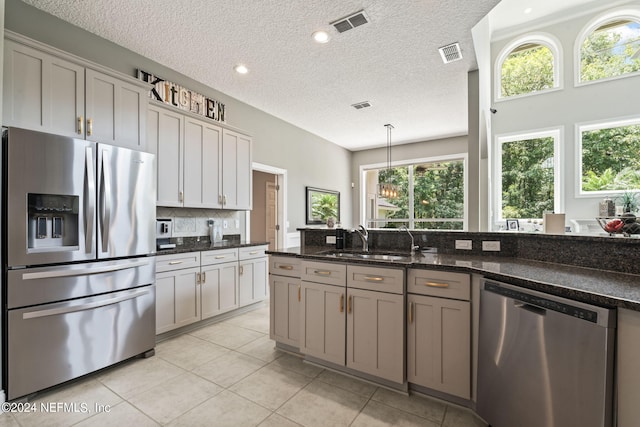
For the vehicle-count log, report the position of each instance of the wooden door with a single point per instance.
(439, 344)
(323, 327)
(271, 216)
(375, 333)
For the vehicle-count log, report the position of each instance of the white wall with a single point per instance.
(566, 107)
(308, 159)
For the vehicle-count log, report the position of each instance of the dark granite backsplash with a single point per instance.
(600, 252)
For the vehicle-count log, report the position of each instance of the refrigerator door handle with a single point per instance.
(106, 200)
(84, 271)
(81, 307)
(90, 201)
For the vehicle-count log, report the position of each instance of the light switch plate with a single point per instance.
(331, 240)
(464, 244)
(225, 224)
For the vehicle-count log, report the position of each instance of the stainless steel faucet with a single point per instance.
(413, 245)
(364, 236)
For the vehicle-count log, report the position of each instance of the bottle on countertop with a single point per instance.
(339, 238)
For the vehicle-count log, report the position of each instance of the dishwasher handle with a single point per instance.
(531, 308)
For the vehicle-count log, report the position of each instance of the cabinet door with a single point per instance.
(177, 299)
(375, 333)
(236, 170)
(323, 328)
(165, 140)
(219, 289)
(42, 92)
(284, 309)
(439, 344)
(201, 168)
(116, 111)
(253, 281)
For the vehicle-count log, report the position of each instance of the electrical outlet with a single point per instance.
(464, 244)
(331, 240)
(237, 223)
(225, 224)
(492, 245)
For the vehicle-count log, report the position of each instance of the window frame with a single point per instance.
(544, 39)
(596, 125)
(627, 13)
(410, 162)
(558, 193)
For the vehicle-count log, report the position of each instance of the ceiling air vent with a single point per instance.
(352, 21)
(450, 53)
(361, 105)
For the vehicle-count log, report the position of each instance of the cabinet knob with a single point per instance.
(181, 196)
(341, 303)
(436, 285)
(349, 304)
(299, 293)
(80, 125)
(411, 312)
(197, 278)
(241, 270)
(89, 127)
(204, 277)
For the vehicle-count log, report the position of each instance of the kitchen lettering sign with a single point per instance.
(173, 94)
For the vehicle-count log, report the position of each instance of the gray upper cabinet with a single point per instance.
(165, 139)
(200, 164)
(50, 91)
(236, 171)
(42, 92)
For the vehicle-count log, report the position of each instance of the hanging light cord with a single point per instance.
(389, 127)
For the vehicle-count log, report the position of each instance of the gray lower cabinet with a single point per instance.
(323, 330)
(253, 273)
(439, 331)
(285, 294)
(375, 321)
(177, 291)
(219, 289)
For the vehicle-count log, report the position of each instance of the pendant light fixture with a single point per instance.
(388, 190)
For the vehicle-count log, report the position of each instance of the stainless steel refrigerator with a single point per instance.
(78, 271)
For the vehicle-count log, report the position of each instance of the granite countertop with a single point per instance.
(206, 245)
(599, 287)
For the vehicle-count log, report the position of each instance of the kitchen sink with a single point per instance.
(369, 255)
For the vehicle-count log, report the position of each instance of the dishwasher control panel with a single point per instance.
(544, 303)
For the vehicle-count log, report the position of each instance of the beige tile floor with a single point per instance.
(230, 374)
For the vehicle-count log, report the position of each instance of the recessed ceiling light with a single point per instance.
(528, 10)
(320, 36)
(241, 69)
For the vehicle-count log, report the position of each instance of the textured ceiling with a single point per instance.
(392, 62)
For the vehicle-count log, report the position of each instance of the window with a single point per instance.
(527, 178)
(609, 156)
(528, 65)
(431, 196)
(611, 49)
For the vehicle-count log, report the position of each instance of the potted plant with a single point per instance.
(629, 200)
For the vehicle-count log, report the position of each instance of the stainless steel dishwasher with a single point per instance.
(543, 360)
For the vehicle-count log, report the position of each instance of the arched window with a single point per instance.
(528, 65)
(610, 46)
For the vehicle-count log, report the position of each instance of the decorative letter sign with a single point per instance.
(182, 98)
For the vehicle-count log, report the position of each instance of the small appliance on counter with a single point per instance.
(215, 231)
(164, 231)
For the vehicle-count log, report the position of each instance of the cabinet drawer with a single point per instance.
(252, 252)
(219, 256)
(284, 266)
(439, 283)
(376, 278)
(324, 272)
(177, 261)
